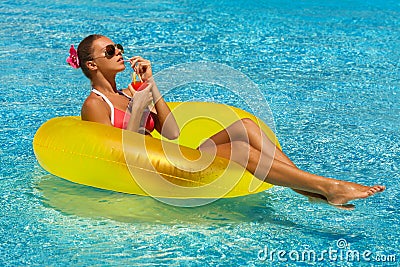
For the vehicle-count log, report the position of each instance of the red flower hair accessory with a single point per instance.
(73, 58)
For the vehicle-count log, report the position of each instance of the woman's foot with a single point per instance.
(311, 196)
(317, 198)
(342, 192)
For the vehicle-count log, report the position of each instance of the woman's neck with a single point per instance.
(104, 85)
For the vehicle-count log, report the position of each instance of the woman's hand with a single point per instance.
(165, 122)
(144, 97)
(140, 100)
(141, 67)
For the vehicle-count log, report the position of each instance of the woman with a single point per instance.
(243, 141)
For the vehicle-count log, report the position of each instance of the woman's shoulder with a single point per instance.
(95, 109)
(94, 104)
(92, 101)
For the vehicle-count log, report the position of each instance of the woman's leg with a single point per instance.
(280, 173)
(248, 131)
(243, 130)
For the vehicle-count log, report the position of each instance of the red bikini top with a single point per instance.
(121, 118)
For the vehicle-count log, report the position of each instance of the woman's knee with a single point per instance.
(240, 130)
(250, 126)
(248, 123)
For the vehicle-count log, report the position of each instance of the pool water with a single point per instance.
(329, 71)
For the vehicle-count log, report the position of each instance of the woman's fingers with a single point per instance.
(136, 60)
(150, 99)
(146, 94)
(141, 67)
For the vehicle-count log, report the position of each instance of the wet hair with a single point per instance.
(85, 50)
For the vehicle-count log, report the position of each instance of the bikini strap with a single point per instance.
(108, 102)
(125, 94)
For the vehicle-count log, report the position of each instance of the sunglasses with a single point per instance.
(110, 50)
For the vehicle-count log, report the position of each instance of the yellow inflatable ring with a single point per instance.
(109, 158)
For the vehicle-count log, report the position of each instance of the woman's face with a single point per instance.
(107, 63)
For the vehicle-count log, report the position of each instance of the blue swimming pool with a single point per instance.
(330, 72)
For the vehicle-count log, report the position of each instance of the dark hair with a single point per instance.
(85, 50)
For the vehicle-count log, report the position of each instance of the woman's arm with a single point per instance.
(166, 123)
